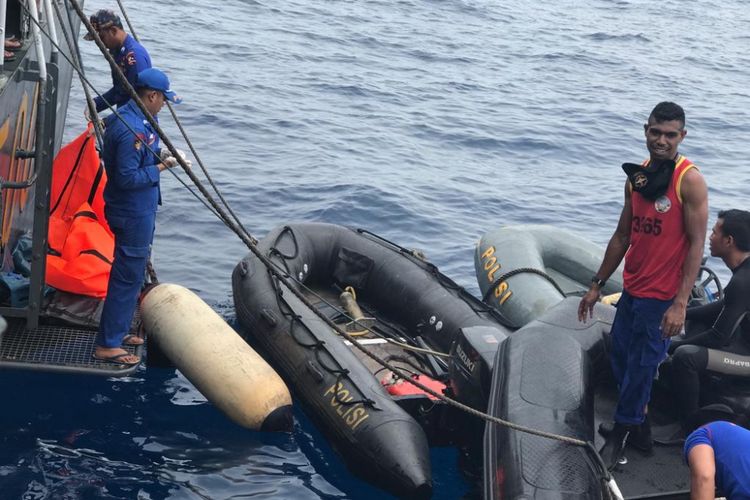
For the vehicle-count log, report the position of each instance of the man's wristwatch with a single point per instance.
(598, 281)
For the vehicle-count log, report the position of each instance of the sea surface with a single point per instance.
(428, 122)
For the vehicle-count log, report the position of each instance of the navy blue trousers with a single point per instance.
(637, 350)
(133, 237)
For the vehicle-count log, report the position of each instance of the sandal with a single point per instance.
(132, 340)
(117, 359)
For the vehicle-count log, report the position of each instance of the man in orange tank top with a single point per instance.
(660, 234)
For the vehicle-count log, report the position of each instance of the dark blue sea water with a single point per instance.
(428, 122)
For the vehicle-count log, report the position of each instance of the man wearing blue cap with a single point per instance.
(133, 161)
(130, 56)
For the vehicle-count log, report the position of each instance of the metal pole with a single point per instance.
(43, 146)
(38, 42)
(45, 141)
(3, 14)
(52, 30)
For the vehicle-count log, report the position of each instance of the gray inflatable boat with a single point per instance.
(524, 270)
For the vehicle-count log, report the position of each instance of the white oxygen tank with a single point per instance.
(216, 360)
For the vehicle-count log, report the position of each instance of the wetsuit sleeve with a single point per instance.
(130, 175)
(705, 314)
(734, 310)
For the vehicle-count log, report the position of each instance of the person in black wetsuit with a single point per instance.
(724, 347)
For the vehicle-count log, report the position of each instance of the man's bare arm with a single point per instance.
(695, 215)
(616, 249)
(702, 472)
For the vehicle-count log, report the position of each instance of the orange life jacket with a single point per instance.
(81, 245)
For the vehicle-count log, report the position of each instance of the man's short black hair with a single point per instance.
(667, 111)
(737, 225)
(713, 413)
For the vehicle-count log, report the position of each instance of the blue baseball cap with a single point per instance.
(155, 79)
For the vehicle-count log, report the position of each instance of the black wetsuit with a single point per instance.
(723, 348)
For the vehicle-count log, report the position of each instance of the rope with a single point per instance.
(127, 20)
(521, 270)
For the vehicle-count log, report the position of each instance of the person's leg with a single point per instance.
(647, 350)
(621, 338)
(688, 361)
(132, 241)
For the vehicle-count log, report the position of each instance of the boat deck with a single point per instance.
(663, 475)
(56, 348)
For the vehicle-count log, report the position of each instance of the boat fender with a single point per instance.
(215, 359)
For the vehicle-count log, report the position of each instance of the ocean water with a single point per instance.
(427, 122)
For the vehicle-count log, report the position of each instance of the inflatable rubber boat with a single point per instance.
(406, 311)
(524, 270)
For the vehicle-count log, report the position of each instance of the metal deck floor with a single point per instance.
(56, 348)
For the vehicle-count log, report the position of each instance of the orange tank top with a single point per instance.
(658, 242)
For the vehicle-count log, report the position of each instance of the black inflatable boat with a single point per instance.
(415, 315)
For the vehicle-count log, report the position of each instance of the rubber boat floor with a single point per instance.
(56, 348)
(324, 298)
(662, 475)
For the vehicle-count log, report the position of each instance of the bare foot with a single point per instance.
(132, 340)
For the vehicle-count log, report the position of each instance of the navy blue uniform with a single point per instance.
(131, 197)
(637, 350)
(132, 58)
